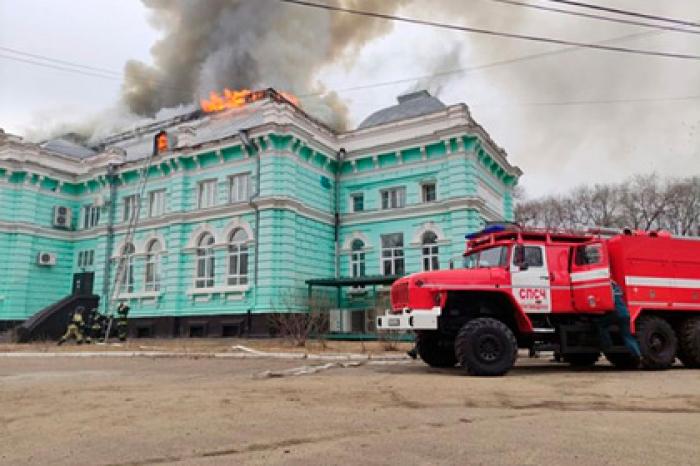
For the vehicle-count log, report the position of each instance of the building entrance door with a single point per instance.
(82, 283)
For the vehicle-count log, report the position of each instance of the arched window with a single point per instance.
(126, 263)
(357, 258)
(430, 251)
(237, 258)
(204, 277)
(153, 253)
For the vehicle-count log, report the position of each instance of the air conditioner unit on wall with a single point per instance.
(46, 258)
(62, 217)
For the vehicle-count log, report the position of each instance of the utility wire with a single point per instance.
(627, 12)
(454, 27)
(60, 62)
(58, 67)
(599, 17)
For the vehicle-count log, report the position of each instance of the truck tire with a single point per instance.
(581, 359)
(486, 346)
(435, 350)
(657, 342)
(689, 342)
(624, 361)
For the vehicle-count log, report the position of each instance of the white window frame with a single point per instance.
(127, 278)
(393, 198)
(205, 263)
(152, 269)
(130, 204)
(430, 253)
(423, 191)
(91, 216)
(207, 193)
(156, 203)
(239, 188)
(353, 196)
(238, 263)
(358, 264)
(393, 255)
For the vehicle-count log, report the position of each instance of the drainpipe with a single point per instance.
(252, 202)
(339, 157)
(109, 243)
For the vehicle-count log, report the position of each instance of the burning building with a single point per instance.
(244, 202)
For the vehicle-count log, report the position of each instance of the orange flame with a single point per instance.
(162, 142)
(237, 99)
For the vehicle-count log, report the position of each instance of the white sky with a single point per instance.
(557, 146)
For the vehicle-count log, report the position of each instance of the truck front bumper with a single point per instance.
(409, 319)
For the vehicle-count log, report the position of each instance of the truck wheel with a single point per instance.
(486, 346)
(581, 359)
(657, 341)
(623, 361)
(689, 342)
(435, 350)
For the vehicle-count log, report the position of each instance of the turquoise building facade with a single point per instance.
(242, 208)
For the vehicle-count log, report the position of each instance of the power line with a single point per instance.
(60, 62)
(549, 40)
(58, 67)
(598, 17)
(627, 12)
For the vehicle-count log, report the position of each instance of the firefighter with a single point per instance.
(621, 318)
(122, 322)
(96, 325)
(74, 329)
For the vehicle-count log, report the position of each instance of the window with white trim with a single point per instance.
(238, 258)
(126, 262)
(429, 192)
(206, 194)
(357, 258)
(357, 201)
(91, 216)
(431, 260)
(393, 198)
(239, 188)
(392, 254)
(156, 203)
(131, 207)
(204, 268)
(153, 261)
(86, 258)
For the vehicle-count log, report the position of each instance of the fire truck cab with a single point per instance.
(550, 290)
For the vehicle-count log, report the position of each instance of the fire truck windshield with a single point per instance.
(492, 257)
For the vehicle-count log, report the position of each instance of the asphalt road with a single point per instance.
(134, 411)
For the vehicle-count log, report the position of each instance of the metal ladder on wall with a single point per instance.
(123, 259)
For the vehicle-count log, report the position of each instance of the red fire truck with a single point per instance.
(536, 289)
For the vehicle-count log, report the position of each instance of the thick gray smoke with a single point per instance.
(208, 45)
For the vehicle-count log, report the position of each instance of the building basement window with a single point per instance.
(393, 198)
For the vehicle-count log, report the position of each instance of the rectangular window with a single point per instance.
(156, 203)
(429, 192)
(393, 198)
(130, 207)
(239, 188)
(358, 202)
(91, 216)
(86, 258)
(206, 194)
(392, 254)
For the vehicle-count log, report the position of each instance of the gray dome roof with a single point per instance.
(410, 105)
(64, 145)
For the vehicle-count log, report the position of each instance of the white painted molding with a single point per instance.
(426, 227)
(234, 224)
(347, 244)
